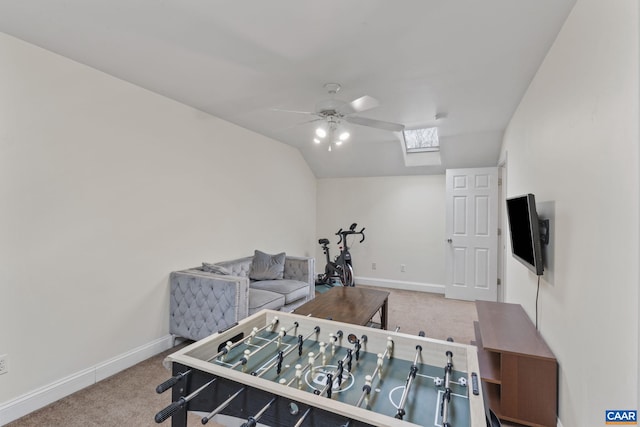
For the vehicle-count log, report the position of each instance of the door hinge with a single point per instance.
(499, 181)
(499, 281)
(499, 231)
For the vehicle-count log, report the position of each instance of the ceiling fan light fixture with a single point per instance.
(344, 136)
(321, 133)
(316, 140)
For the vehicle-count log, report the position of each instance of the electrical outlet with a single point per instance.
(4, 364)
(402, 268)
(373, 266)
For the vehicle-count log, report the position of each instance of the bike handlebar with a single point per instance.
(344, 233)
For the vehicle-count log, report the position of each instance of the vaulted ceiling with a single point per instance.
(467, 60)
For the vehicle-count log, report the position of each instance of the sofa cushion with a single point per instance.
(215, 268)
(260, 299)
(292, 290)
(267, 267)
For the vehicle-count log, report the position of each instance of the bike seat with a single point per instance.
(323, 241)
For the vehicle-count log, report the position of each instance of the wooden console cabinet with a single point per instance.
(518, 370)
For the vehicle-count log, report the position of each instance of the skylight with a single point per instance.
(420, 140)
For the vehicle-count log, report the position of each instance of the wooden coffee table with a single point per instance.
(348, 304)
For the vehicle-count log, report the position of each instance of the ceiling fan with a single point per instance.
(332, 112)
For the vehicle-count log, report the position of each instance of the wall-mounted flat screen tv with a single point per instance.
(524, 225)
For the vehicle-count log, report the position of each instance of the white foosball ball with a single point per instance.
(281, 369)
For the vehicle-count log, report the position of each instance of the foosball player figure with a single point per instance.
(280, 359)
(281, 335)
(367, 388)
(226, 350)
(311, 360)
(299, 375)
(322, 352)
(274, 322)
(300, 342)
(245, 359)
(332, 341)
(379, 364)
(254, 331)
(340, 372)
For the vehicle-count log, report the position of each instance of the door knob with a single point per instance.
(449, 241)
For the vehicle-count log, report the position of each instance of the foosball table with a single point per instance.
(282, 369)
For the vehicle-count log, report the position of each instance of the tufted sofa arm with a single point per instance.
(203, 303)
(302, 269)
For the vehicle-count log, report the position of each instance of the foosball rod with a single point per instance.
(253, 421)
(312, 357)
(221, 407)
(301, 420)
(285, 354)
(225, 350)
(410, 377)
(175, 406)
(327, 388)
(245, 358)
(447, 393)
(366, 389)
(174, 380)
(308, 365)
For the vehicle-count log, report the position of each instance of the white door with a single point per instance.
(472, 234)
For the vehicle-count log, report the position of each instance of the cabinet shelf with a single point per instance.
(518, 370)
(489, 361)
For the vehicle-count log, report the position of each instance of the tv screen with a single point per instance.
(525, 232)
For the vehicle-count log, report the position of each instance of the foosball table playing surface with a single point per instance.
(282, 369)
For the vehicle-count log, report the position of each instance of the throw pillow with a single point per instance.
(267, 267)
(215, 268)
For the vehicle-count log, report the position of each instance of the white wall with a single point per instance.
(574, 141)
(105, 188)
(405, 224)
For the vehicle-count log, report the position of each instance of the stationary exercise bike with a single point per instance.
(340, 271)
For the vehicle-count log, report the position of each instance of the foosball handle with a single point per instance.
(169, 410)
(251, 422)
(169, 383)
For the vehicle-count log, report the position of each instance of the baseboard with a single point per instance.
(397, 284)
(43, 396)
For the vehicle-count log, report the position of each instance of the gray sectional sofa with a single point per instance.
(213, 297)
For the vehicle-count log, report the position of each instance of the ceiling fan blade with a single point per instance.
(291, 111)
(362, 121)
(299, 124)
(359, 105)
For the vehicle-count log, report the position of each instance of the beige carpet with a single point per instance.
(125, 399)
(129, 398)
(438, 317)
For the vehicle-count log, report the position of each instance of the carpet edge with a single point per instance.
(47, 394)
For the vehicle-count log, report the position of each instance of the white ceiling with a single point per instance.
(239, 60)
